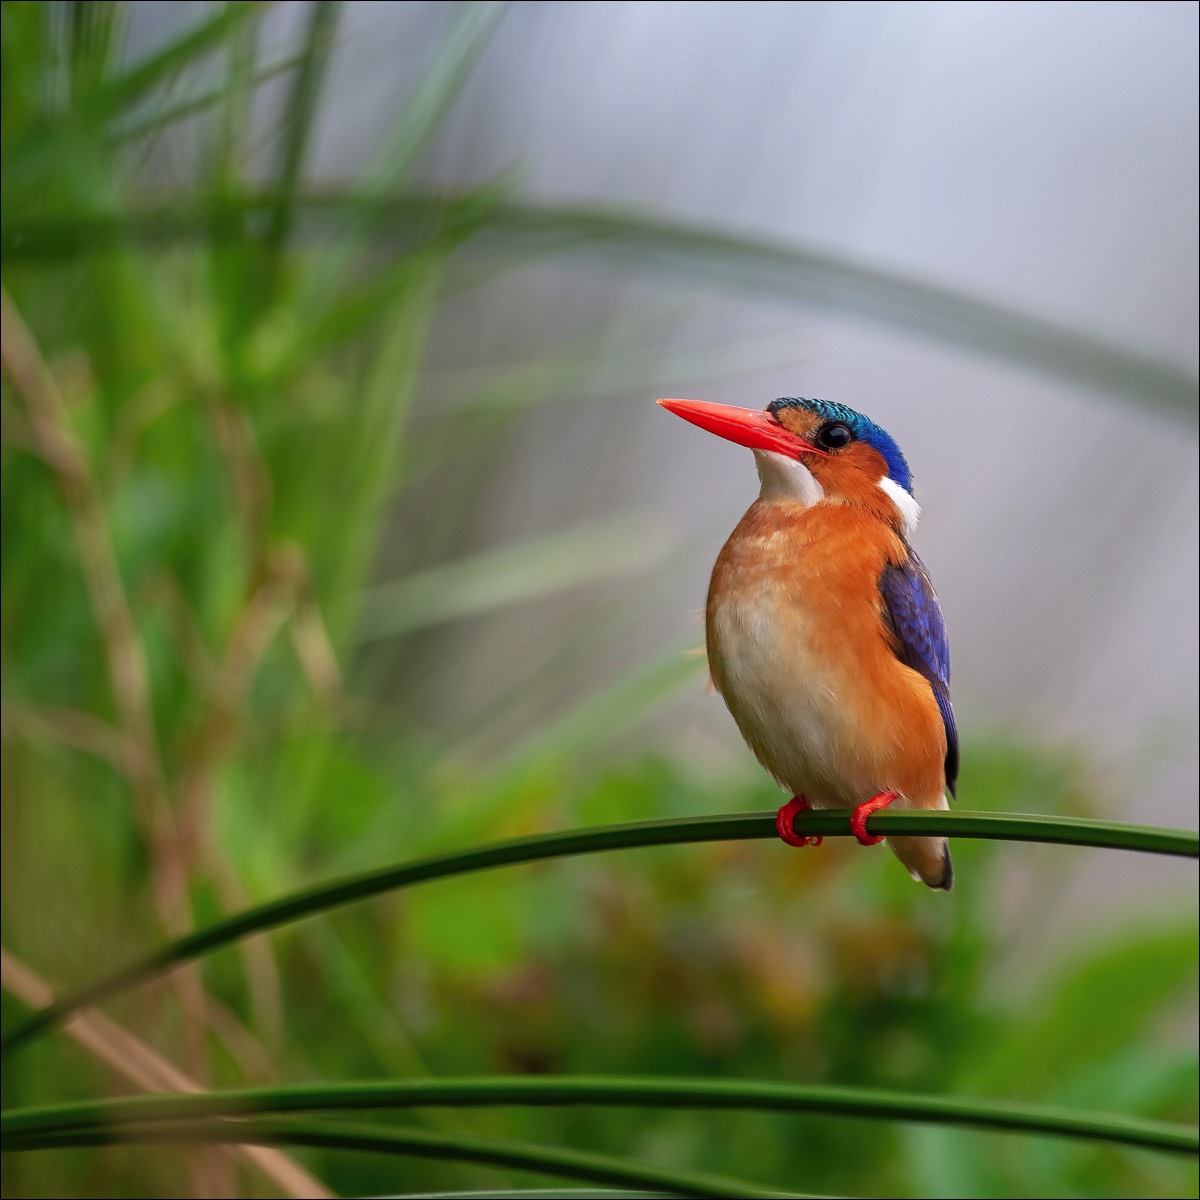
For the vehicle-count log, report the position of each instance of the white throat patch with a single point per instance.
(908, 508)
(785, 478)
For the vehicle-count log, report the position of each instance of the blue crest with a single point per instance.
(863, 428)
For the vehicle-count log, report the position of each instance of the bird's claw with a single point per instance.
(785, 823)
(858, 818)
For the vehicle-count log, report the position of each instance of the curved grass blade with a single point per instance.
(623, 1091)
(839, 284)
(301, 112)
(498, 1152)
(534, 1194)
(367, 206)
(116, 95)
(161, 119)
(1075, 831)
(515, 572)
(197, 40)
(797, 274)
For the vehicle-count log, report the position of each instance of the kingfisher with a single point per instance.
(823, 631)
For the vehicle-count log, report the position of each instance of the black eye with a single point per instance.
(834, 436)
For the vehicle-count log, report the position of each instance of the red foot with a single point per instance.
(784, 823)
(858, 818)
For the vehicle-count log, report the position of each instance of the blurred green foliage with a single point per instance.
(202, 442)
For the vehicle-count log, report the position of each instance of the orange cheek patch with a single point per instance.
(852, 476)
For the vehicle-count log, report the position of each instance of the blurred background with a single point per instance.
(339, 527)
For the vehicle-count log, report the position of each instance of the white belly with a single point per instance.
(792, 707)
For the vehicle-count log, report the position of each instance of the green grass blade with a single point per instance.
(498, 1152)
(301, 111)
(161, 119)
(536, 1194)
(387, 393)
(649, 1092)
(194, 43)
(583, 726)
(369, 200)
(833, 283)
(796, 274)
(439, 88)
(513, 573)
(1072, 831)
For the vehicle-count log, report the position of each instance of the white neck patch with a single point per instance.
(785, 478)
(906, 506)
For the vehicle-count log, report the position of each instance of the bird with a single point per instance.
(823, 631)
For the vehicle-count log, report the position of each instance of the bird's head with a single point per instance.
(815, 451)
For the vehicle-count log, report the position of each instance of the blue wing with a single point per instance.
(914, 619)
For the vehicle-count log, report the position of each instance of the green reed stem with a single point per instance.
(82, 1119)
(1074, 831)
(799, 274)
(573, 1164)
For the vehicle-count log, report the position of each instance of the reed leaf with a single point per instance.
(648, 1092)
(814, 278)
(572, 1164)
(1073, 831)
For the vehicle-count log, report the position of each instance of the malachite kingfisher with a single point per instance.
(823, 631)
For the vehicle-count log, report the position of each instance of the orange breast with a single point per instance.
(798, 648)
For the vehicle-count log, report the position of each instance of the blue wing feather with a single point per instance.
(914, 618)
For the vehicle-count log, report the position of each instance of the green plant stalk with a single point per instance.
(202, 38)
(301, 113)
(623, 1091)
(205, 102)
(573, 1164)
(538, 1194)
(796, 274)
(1074, 831)
(367, 207)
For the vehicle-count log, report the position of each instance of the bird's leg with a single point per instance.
(784, 823)
(858, 818)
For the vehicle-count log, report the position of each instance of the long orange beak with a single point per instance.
(750, 427)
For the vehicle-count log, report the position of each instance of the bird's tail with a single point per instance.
(927, 858)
